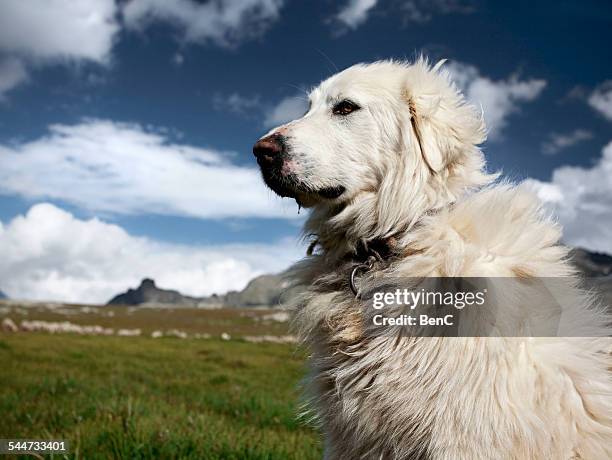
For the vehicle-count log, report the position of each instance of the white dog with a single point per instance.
(387, 157)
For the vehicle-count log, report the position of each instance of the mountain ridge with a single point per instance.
(272, 290)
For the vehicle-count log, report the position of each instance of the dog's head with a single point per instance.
(382, 128)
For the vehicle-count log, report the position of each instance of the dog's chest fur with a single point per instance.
(452, 398)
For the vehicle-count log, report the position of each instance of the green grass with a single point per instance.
(140, 398)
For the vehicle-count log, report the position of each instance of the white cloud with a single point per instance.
(36, 32)
(424, 10)
(12, 74)
(223, 22)
(286, 110)
(601, 99)
(55, 29)
(580, 198)
(558, 142)
(355, 12)
(178, 59)
(120, 168)
(499, 98)
(237, 103)
(48, 254)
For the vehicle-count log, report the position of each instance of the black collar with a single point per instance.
(367, 255)
(379, 248)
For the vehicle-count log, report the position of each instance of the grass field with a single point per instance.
(143, 398)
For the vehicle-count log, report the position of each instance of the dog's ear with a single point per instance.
(444, 129)
(431, 154)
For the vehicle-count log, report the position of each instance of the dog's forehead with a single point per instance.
(360, 79)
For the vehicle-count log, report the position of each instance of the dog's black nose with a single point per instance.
(268, 150)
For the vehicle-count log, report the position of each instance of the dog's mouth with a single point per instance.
(290, 186)
(331, 193)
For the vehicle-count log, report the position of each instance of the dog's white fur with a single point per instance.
(411, 168)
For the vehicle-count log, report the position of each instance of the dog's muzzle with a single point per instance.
(272, 153)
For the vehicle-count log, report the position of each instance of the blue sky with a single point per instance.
(126, 128)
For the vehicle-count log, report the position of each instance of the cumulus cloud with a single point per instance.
(355, 12)
(580, 198)
(43, 31)
(178, 59)
(223, 22)
(69, 29)
(12, 74)
(48, 254)
(286, 110)
(425, 10)
(237, 103)
(499, 98)
(557, 142)
(37, 32)
(121, 168)
(601, 99)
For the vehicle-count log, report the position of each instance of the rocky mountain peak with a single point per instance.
(148, 283)
(148, 293)
(592, 264)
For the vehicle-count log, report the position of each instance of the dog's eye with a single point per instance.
(344, 107)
